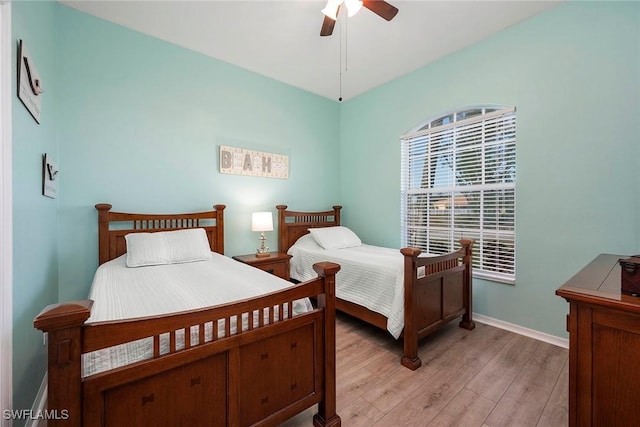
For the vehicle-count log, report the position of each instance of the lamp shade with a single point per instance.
(262, 221)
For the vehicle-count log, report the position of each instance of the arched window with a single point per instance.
(459, 181)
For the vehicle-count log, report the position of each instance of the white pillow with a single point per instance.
(335, 237)
(167, 247)
(307, 242)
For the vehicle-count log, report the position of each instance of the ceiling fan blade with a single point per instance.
(381, 8)
(328, 24)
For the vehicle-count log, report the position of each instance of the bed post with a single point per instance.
(103, 232)
(63, 324)
(410, 357)
(467, 321)
(220, 228)
(283, 243)
(326, 415)
(336, 214)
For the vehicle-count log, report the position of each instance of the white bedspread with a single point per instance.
(370, 276)
(120, 292)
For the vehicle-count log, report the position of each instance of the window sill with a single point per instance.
(507, 279)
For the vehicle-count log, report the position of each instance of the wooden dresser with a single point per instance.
(604, 347)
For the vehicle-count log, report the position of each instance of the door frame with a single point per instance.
(6, 209)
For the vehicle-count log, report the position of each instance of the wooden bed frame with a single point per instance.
(439, 294)
(259, 376)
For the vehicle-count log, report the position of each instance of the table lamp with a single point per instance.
(262, 221)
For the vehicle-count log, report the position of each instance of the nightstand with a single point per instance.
(276, 263)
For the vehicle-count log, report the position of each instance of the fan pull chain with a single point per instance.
(340, 74)
(346, 45)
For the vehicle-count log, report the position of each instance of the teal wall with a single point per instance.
(573, 74)
(35, 217)
(141, 122)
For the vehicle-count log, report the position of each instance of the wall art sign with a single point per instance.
(29, 82)
(240, 161)
(49, 177)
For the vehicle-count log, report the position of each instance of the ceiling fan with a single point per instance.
(379, 7)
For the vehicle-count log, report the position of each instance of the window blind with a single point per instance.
(458, 181)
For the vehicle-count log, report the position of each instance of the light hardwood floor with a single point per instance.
(487, 377)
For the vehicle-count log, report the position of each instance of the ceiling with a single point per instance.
(281, 39)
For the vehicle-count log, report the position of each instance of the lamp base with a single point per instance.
(262, 251)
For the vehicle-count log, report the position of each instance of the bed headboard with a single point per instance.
(293, 225)
(113, 226)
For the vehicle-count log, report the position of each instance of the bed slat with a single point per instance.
(187, 337)
(172, 341)
(156, 346)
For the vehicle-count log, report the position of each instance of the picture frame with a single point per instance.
(49, 174)
(29, 82)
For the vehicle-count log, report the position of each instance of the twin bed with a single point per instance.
(405, 292)
(178, 334)
(174, 333)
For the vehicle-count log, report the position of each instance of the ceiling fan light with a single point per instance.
(353, 6)
(331, 9)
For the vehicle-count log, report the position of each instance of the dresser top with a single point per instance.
(599, 283)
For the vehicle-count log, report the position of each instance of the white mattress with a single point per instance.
(120, 292)
(370, 276)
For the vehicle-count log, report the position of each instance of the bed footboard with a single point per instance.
(258, 373)
(436, 290)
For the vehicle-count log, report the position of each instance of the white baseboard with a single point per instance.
(531, 333)
(39, 405)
